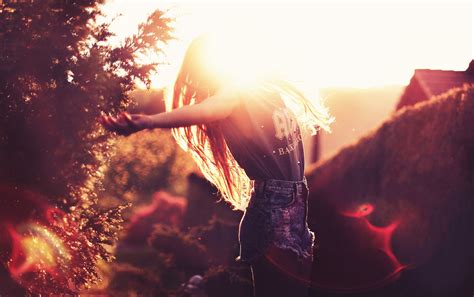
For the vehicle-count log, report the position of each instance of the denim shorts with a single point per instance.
(277, 214)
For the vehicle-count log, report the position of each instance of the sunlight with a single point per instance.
(240, 59)
(318, 43)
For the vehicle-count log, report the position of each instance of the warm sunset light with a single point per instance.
(320, 43)
(287, 148)
(238, 58)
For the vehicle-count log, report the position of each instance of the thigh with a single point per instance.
(280, 273)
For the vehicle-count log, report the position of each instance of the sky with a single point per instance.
(320, 43)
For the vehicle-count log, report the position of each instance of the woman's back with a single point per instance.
(264, 137)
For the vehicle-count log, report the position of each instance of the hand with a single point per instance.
(125, 123)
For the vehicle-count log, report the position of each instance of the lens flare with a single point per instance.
(352, 254)
(361, 211)
(36, 249)
(356, 255)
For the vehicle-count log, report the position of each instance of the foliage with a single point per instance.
(410, 183)
(144, 163)
(172, 256)
(230, 281)
(155, 256)
(188, 253)
(57, 73)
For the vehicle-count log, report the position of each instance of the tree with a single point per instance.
(57, 73)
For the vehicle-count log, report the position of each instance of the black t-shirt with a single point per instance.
(264, 137)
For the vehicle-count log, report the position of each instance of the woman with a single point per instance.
(247, 141)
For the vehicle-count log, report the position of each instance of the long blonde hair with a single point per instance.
(196, 82)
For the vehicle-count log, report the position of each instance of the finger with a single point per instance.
(120, 121)
(108, 121)
(128, 119)
(112, 119)
(116, 124)
(111, 124)
(103, 120)
(126, 116)
(121, 117)
(121, 127)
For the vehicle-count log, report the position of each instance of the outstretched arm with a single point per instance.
(214, 108)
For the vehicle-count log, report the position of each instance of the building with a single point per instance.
(426, 83)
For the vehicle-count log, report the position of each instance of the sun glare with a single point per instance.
(316, 43)
(238, 59)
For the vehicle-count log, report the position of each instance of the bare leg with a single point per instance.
(279, 274)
